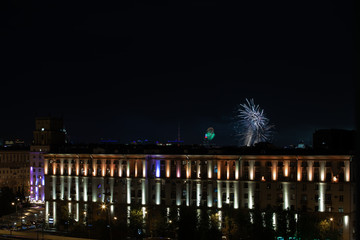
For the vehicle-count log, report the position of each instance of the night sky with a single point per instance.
(135, 70)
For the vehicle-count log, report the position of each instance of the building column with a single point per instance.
(227, 201)
(210, 168)
(251, 195)
(178, 193)
(286, 168)
(322, 170)
(111, 183)
(157, 192)
(236, 194)
(62, 186)
(54, 187)
(198, 193)
(286, 194)
(322, 187)
(209, 195)
(143, 191)
(219, 170)
(347, 171)
(178, 168)
(127, 168)
(274, 170)
(299, 171)
(69, 187)
(310, 170)
(112, 167)
(167, 168)
(237, 170)
(198, 169)
(77, 196)
(128, 191)
(251, 169)
(85, 187)
(187, 193)
(120, 168)
(219, 194)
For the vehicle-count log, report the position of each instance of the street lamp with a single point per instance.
(103, 207)
(332, 223)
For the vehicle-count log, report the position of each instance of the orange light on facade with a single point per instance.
(299, 169)
(112, 168)
(310, 170)
(178, 169)
(335, 179)
(237, 170)
(347, 171)
(263, 178)
(167, 168)
(286, 168)
(322, 171)
(228, 171)
(127, 168)
(251, 169)
(61, 167)
(94, 169)
(77, 169)
(188, 169)
(144, 169)
(46, 167)
(103, 168)
(85, 169)
(219, 170)
(54, 168)
(135, 168)
(120, 168)
(274, 170)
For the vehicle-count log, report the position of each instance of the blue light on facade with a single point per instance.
(157, 170)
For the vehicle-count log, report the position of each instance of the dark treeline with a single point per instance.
(190, 223)
(8, 199)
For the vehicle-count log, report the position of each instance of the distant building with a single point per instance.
(16, 142)
(296, 179)
(49, 134)
(14, 169)
(335, 139)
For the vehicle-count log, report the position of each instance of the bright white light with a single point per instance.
(346, 220)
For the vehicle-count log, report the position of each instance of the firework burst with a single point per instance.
(251, 124)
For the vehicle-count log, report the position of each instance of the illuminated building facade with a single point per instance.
(14, 169)
(317, 183)
(49, 133)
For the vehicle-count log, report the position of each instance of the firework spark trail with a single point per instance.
(252, 125)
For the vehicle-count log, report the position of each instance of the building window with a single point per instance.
(341, 198)
(246, 196)
(246, 185)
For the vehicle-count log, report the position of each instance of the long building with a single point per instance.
(14, 169)
(315, 183)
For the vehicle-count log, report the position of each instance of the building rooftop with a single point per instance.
(260, 149)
